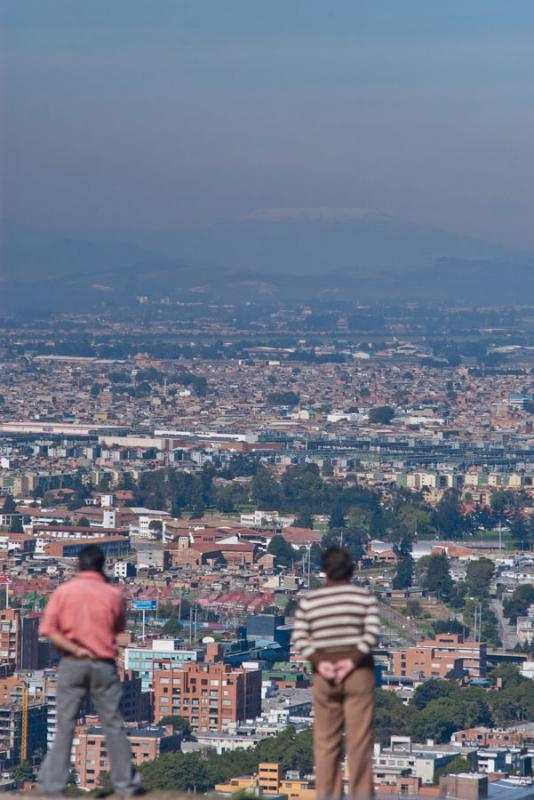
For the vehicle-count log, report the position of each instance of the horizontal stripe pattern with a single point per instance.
(336, 617)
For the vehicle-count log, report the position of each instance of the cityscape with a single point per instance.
(267, 399)
(213, 479)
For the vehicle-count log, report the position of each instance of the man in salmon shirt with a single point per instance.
(81, 620)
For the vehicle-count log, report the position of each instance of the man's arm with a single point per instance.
(50, 629)
(301, 634)
(371, 629)
(120, 621)
(68, 647)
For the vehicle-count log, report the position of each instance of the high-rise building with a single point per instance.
(11, 729)
(209, 696)
(19, 638)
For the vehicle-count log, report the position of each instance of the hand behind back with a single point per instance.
(336, 672)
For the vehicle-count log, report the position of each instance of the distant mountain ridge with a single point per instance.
(288, 254)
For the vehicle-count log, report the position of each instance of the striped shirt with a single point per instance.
(337, 617)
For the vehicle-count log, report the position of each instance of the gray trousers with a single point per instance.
(77, 677)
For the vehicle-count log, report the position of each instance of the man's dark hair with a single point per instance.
(337, 563)
(91, 559)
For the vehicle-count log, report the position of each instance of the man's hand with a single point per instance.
(326, 670)
(67, 647)
(83, 652)
(343, 669)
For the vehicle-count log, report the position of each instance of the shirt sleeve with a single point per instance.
(371, 628)
(120, 621)
(50, 620)
(301, 639)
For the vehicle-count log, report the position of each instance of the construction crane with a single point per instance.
(24, 723)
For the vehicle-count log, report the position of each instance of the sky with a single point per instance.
(160, 115)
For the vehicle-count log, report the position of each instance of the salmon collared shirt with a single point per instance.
(87, 611)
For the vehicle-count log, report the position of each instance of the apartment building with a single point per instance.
(268, 782)
(11, 729)
(90, 754)
(440, 657)
(209, 696)
(19, 640)
(142, 659)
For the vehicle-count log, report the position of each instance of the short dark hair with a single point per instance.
(91, 559)
(337, 563)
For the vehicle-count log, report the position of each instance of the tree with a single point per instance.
(390, 716)
(505, 674)
(436, 577)
(16, 524)
(454, 767)
(403, 577)
(460, 709)
(381, 415)
(303, 489)
(514, 703)
(328, 469)
(75, 502)
(9, 507)
(501, 501)
(458, 595)
(156, 528)
(83, 522)
(478, 577)
(282, 551)
(337, 519)
(517, 605)
(265, 490)
(414, 608)
(172, 627)
(303, 521)
(448, 518)
(431, 690)
(180, 725)
(22, 772)
(520, 534)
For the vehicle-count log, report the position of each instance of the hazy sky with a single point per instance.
(149, 114)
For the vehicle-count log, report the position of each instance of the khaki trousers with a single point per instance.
(347, 708)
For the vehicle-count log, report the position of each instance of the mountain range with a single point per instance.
(283, 254)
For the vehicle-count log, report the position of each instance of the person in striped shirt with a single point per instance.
(336, 628)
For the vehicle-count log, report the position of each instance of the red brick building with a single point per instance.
(209, 696)
(437, 658)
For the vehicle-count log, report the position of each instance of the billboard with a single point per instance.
(145, 605)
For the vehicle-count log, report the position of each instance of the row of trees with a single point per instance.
(432, 574)
(438, 708)
(199, 773)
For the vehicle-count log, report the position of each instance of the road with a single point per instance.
(397, 626)
(507, 631)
